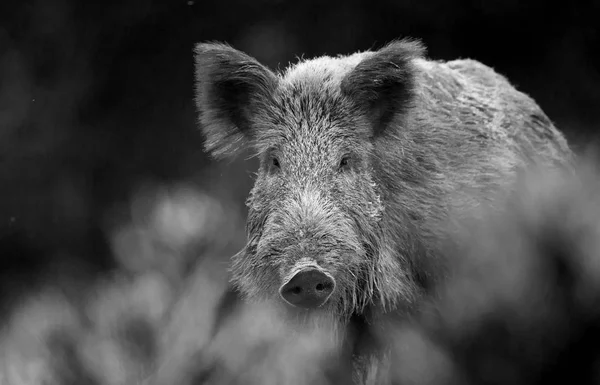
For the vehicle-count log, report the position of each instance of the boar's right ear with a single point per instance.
(382, 84)
(231, 87)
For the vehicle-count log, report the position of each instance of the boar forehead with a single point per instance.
(311, 123)
(311, 126)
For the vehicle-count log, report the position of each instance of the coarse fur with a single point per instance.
(362, 159)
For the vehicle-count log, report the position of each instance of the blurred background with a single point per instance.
(101, 162)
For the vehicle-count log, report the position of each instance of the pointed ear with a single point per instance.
(231, 88)
(382, 84)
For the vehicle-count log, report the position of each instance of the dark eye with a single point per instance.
(275, 162)
(344, 162)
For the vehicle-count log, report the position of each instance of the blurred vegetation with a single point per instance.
(107, 201)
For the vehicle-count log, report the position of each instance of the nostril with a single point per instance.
(324, 286)
(296, 290)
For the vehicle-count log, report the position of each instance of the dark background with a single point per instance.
(97, 98)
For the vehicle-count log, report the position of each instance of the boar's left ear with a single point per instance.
(382, 84)
(231, 88)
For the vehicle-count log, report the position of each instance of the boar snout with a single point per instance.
(308, 288)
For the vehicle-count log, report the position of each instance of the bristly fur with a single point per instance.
(362, 159)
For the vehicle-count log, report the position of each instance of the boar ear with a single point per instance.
(231, 87)
(381, 85)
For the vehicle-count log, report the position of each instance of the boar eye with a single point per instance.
(275, 162)
(344, 162)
